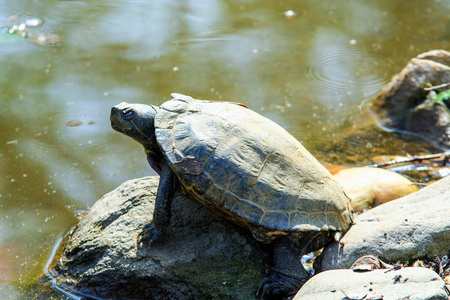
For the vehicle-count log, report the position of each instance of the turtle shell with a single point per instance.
(247, 168)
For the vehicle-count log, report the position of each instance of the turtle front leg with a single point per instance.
(287, 275)
(161, 214)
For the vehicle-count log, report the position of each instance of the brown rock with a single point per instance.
(398, 103)
(367, 187)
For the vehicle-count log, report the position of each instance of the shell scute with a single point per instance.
(165, 139)
(229, 200)
(317, 219)
(271, 199)
(204, 182)
(248, 210)
(246, 155)
(199, 135)
(175, 106)
(242, 186)
(297, 218)
(174, 155)
(278, 220)
(215, 193)
(165, 119)
(332, 218)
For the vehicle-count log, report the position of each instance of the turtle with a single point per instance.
(245, 168)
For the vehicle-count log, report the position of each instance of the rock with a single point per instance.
(430, 119)
(199, 257)
(440, 56)
(402, 230)
(397, 104)
(367, 187)
(405, 283)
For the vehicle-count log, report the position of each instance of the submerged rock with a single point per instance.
(401, 104)
(405, 283)
(199, 257)
(402, 230)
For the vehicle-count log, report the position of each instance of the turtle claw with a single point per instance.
(148, 235)
(278, 286)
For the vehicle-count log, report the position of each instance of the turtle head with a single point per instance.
(136, 121)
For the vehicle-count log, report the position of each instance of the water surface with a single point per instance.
(309, 72)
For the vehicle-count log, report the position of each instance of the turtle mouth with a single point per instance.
(119, 126)
(116, 127)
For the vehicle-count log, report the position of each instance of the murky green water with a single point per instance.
(309, 72)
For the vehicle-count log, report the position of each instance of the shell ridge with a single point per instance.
(184, 98)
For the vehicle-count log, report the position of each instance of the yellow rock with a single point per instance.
(368, 187)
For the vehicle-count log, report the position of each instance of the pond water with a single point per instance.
(307, 65)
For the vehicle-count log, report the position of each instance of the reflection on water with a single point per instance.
(307, 70)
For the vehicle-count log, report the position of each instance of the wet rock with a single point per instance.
(199, 257)
(402, 230)
(398, 105)
(406, 283)
(430, 119)
(368, 187)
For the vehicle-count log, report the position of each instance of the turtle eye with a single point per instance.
(128, 114)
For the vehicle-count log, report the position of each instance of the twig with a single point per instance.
(436, 87)
(445, 156)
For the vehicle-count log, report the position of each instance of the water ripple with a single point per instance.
(348, 69)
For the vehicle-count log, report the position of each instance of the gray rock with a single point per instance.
(397, 104)
(406, 283)
(199, 257)
(402, 230)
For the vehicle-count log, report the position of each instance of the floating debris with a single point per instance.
(20, 25)
(35, 22)
(29, 21)
(289, 14)
(74, 123)
(45, 39)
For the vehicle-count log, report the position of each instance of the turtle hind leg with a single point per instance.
(287, 275)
